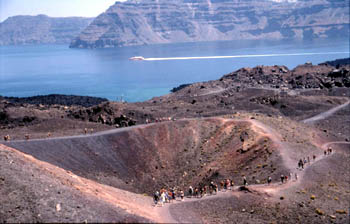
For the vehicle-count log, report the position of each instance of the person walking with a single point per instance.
(156, 198)
(302, 165)
(173, 194)
(221, 185)
(296, 176)
(245, 183)
(190, 191)
(196, 192)
(182, 195)
(282, 179)
(228, 182)
(329, 150)
(269, 179)
(162, 198)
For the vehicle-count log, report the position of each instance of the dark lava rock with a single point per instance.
(66, 100)
(175, 89)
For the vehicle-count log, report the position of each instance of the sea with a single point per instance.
(32, 70)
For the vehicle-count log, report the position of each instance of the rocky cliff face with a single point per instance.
(41, 29)
(139, 22)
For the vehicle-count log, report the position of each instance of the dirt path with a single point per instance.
(325, 146)
(209, 92)
(325, 114)
(108, 132)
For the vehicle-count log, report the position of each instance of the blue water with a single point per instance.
(47, 69)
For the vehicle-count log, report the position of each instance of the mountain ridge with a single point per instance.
(41, 29)
(143, 22)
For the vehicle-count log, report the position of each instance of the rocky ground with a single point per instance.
(250, 122)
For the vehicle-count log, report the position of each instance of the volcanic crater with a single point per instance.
(170, 154)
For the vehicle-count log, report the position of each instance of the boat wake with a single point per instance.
(242, 56)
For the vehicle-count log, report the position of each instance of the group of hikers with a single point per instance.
(157, 120)
(328, 151)
(307, 160)
(26, 137)
(167, 196)
(86, 131)
(8, 137)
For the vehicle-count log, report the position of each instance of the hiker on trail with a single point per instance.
(201, 191)
(314, 157)
(221, 185)
(168, 196)
(85, 130)
(305, 161)
(245, 183)
(212, 187)
(7, 138)
(162, 198)
(269, 179)
(156, 198)
(196, 192)
(282, 179)
(228, 183)
(296, 176)
(325, 152)
(190, 191)
(49, 134)
(225, 184)
(182, 195)
(301, 164)
(329, 150)
(173, 194)
(286, 178)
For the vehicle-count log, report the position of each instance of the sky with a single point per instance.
(54, 8)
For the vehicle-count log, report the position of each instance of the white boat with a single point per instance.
(137, 58)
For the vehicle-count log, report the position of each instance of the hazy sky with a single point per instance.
(54, 8)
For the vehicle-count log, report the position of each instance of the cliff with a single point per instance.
(41, 29)
(140, 22)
